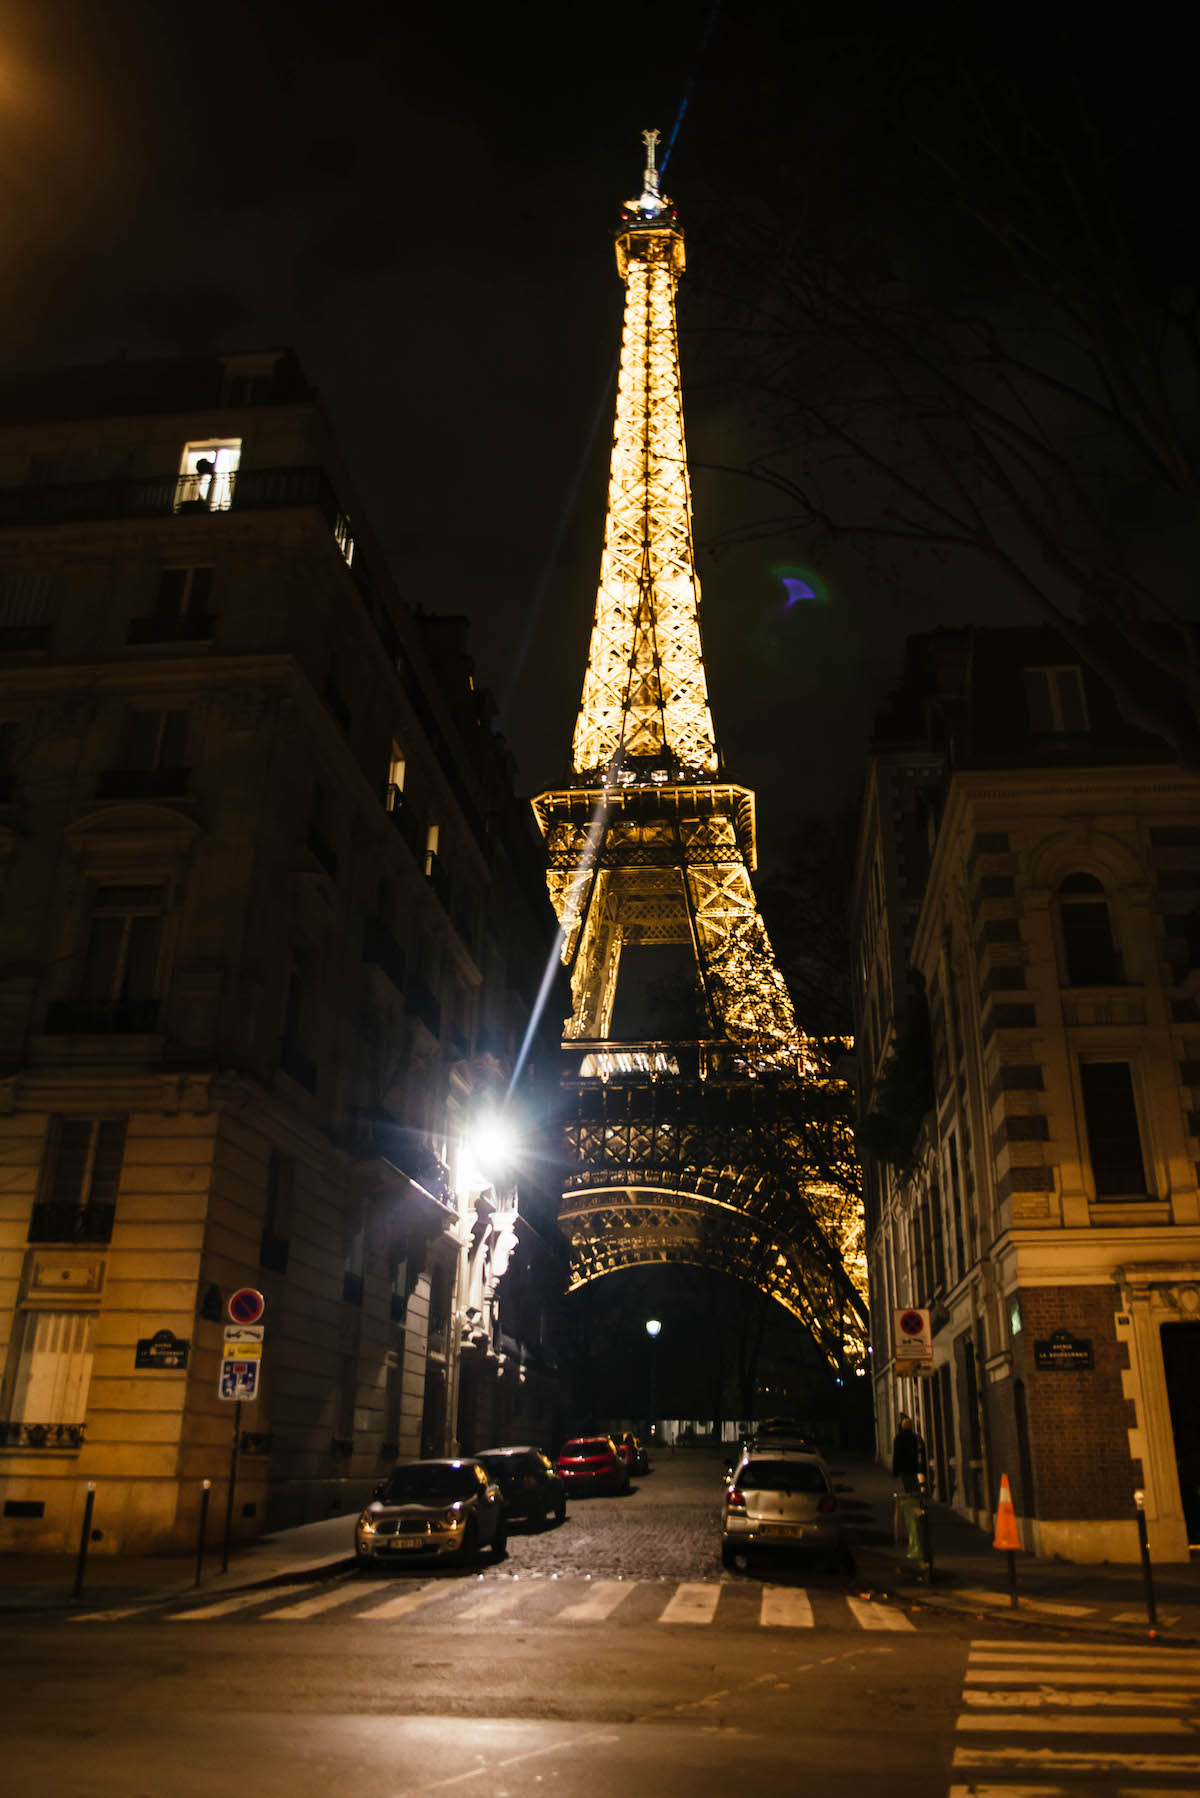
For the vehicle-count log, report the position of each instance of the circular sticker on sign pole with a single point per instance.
(911, 1322)
(246, 1305)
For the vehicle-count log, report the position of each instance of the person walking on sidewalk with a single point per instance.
(908, 1455)
(908, 1466)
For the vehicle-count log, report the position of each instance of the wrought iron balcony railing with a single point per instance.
(102, 1017)
(41, 1435)
(55, 1222)
(381, 949)
(143, 783)
(170, 627)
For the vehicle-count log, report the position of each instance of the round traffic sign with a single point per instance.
(246, 1305)
(912, 1323)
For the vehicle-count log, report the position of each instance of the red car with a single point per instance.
(592, 1464)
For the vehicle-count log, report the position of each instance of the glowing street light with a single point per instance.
(652, 1326)
(490, 1150)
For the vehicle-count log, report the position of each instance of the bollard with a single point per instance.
(1139, 1499)
(202, 1531)
(85, 1536)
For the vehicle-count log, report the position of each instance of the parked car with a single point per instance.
(529, 1483)
(632, 1451)
(592, 1464)
(432, 1511)
(782, 1499)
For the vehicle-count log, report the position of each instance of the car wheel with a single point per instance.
(500, 1541)
(560, 1513)
(468, 1554)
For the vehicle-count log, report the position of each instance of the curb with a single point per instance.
(308, 1571)
(930, 1599)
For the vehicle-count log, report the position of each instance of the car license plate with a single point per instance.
(782, 1529)
(409, 1541)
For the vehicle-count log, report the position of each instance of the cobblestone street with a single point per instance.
(666, 1526)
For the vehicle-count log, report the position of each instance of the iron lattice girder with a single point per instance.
(645, 691)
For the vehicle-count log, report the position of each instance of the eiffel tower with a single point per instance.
(649, 844)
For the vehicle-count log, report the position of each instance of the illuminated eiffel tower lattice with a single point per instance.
(649, 845)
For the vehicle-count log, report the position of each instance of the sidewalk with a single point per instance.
(46, 1582)
(971, 1577)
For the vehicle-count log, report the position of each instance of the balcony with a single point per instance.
(439, 880)
(336, 702)
(18, 639)
(407, 823)
(423, 1004)
(41, 1435)
(143, 783)
(295, 1063)
(71, 1223)
(322, 850)
(382, 951)
(102, 1017)
(192, 627)
(273, 1253)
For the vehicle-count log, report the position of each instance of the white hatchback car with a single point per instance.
(782, 1498)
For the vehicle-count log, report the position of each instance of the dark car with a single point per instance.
(432, 1511)
(633, 1452)
(528, 1482)
(592, 1464)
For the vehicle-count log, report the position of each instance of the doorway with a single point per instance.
(1181, 1366)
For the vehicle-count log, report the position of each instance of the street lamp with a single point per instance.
(653, 1326)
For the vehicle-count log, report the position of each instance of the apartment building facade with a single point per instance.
(269, 942)
(1026, 930)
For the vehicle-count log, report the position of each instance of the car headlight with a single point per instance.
(366, 1524)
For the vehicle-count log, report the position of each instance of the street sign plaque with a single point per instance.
(912, 1337)
(244, 1333)
(238, 1383)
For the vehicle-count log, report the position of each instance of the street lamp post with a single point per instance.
(653, 1326)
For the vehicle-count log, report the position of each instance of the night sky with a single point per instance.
(421, 201)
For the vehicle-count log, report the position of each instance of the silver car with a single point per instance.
(781, 1498)
(432, 1511)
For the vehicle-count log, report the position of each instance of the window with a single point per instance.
(277, 1213)
(79, 1189)
(431, 847)
(54, 1370)
(1111, 1120)
(25, 615)
(1055, 699)
(154, 741)
(183, 593)
(396, 769)
(1087, 937)
(9, 733)
(121, 961)
(207, 473)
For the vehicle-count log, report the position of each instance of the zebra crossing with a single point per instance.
(531, 1602)
(1125, 1720)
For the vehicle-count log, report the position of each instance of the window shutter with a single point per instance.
(55, 1369)
(70, 1160)
(106, 1167)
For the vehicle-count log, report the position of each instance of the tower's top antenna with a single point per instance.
(651, 202)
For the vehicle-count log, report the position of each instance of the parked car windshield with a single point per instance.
(782, 1476)
(598, 1446)
(423, 1485)
(500, 1465)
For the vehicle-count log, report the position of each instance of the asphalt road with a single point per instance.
(656, 1675)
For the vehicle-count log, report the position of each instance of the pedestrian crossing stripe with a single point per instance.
(695, 1604)
(1132, 1701)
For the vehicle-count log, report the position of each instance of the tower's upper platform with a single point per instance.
(644, 712)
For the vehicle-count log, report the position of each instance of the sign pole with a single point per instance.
(233, 1461)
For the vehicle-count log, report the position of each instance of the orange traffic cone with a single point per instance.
(1006, 1519)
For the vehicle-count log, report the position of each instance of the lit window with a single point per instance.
(431, 848)
(344, 537)
(54, 1369)
(1055, 699)
(207, 472)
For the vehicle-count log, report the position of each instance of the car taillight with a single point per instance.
(828, 1503)
(735, 1500)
